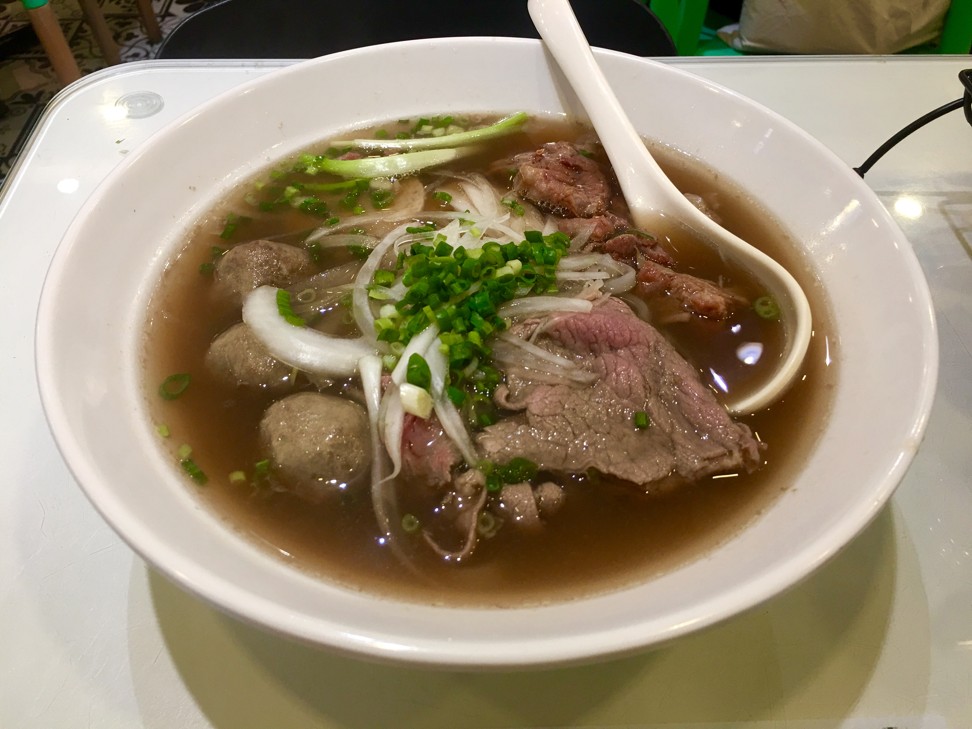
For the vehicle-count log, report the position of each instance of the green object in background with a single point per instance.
(957, 31)
(32, 4)
(683, 19)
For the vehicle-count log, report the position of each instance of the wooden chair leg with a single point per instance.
(149, 21)
(96, 20)
(49, 33)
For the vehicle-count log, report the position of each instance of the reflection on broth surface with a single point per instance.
(548, 378)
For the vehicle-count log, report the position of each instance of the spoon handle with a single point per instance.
(646, 188)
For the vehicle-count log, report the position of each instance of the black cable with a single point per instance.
(963, 103)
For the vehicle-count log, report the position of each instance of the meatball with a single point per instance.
(261, 262)
(238, 357)
(319, 445)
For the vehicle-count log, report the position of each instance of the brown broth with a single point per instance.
(606, 536)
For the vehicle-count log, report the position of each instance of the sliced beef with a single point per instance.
(568, 428)
(695, 294)
(632, 248)
(596, 228)
(560, 179)
(428, 455)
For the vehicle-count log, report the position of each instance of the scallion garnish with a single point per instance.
(194, 471)
(516, 470)
(285, 308)
(641, 420)
(459, 290)
(766, 307)
(417, 372)
(174, 386)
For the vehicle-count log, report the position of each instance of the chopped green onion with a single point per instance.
(237, 477)
(506, 125)
(194, 471)
(487, 525)
(174, 386)
(185, 450)
(766, 307)
(459, 290)
(286, 310)
(163, 430)
(417, 372)
(410, 523)
(641, 420)
(390, 165)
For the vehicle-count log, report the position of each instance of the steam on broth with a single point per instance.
(474, 383)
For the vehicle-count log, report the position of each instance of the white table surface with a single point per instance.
(879, 637)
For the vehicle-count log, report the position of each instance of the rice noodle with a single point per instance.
(469, 544)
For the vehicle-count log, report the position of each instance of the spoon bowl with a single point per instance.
(652, 197)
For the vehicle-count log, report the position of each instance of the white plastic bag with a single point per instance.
(835, 26)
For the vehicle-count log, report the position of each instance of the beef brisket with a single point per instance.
(695, 294)
(560, 179)
(570, 428)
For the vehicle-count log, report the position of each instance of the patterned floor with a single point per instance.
(27, 81)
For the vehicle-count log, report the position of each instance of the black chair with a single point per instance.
(295, 29)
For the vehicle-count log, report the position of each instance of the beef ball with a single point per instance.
(238, 357)
(319, 444)
(261, 263)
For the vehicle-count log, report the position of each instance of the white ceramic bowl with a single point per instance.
(107, 265)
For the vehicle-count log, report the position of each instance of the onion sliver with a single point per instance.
(544, 305)
(370, 368)
(363, 315)
(301, 347)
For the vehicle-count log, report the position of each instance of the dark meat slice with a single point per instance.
(428, 454)
(695, 294)
(596, 228)
(559, 179)
(570, 428)
(633, 248)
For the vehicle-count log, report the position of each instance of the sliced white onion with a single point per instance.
(536, 352)
(326, 239)
(415, 400)
(370, 369)
(363, 315)
(391, 419)
(582, 275)
(448, 414)
(532, 305)
(302, 347)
